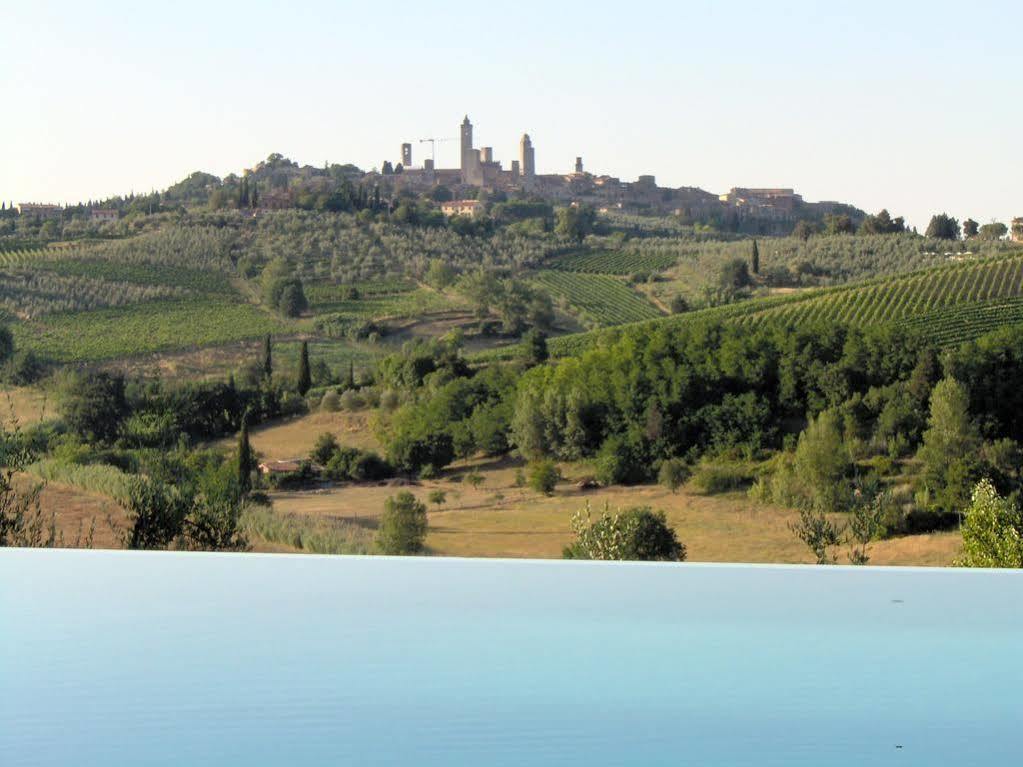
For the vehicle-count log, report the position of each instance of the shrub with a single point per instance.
(324, 449)
(352, 400)
(673, 473)
(403, 525)
(622, 462)
(638, 533)
(713, 478)
(331, 402)
(544, 476)
(438, 497)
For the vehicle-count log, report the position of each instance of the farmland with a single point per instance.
(600, 299)
(620, 262)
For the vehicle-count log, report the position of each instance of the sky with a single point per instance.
(911, 106)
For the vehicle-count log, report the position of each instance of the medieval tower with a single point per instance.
(526, 159)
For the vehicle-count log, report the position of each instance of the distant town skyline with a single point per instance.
(908, 107)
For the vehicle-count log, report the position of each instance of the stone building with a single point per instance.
(38, 210)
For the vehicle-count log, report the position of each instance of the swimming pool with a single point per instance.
(122, 658)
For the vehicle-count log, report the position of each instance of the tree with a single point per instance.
(305, 378)
(544, 476)
(94, 406)
(970, 228)
(943, 227)
(324, 449)
(535, 343)
(679, 305)
(157, 514)
(818, 533)
(882, 223)
(440, 274)
(292, 301)
(804, 230)
(268, 367)
(674, 473)
(992, 530)
(949, 449)
(821, 462)
(403, 525)
(865, 525)
(246, 460)
(838, 224)
(993, 231)
(22, 522)
(734, 275)
(6, 344)
(636, 534)
(438, 498)
(755, 258)
(575, 222)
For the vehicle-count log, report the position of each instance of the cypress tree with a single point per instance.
(305, 379)
(245, 458)
(268, 367)
(755, 258)
(350, 381)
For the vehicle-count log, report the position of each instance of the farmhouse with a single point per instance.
(39, 210)
(280, 467)
(102, 215)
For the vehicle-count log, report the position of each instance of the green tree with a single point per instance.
(970, 228)
(156, 513)
(943, 227)
(822, 462)
(950, 446)
(324, 449)
(246, 460)
(94, 405)
(544, 476)
(438, 497)
(575, 222)
(403, 525)
(993, 231)
(440, 274)
(755, 258)
(268, 367)
(734, 275)
(535, 343)
(305, 378)
(992, 530)
(674, 473)
(22, 521)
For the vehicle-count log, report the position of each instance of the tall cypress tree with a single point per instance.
(305, 379)
(268, 366)
(245, 457)
(350, 381)
(755, 258)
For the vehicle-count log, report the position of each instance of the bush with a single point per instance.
(403, 525)
(352, 400)
(634, 534)
(331, 402)
(673, 473)
(324, 449)
(544, 476)
(713, 478)
(352, 464)
(621, 462)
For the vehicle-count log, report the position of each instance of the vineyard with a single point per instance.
(600, 299)
(145, 328)
(949, 304)
(620, 262)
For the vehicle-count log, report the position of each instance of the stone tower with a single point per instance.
(406, 155)
(526, 158)
(466, 145)
(578, 164)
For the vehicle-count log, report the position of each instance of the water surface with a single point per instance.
(122, 658)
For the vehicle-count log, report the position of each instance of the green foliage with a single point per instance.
(324, 449)
(637, 533)
(949, 449)
(535, 344)
(544, 476)
(621, 262)
(943, 227)
(93, 406)
(403, 525)
(574, 222)
(246, 458)
(673, 473)
(818, 533)
(992, 530)
(304, 379)
(821, 463)
(156, 514)
(314, 535)
(600, 299)
(438, 497)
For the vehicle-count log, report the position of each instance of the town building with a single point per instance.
(471, 208)
(41, 211)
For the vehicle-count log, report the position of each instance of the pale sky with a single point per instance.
(913, 106)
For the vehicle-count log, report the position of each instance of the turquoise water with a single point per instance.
(119, 658)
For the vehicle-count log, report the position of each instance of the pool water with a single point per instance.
(123, 658)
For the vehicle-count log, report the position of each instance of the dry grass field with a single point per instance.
(499, 519)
